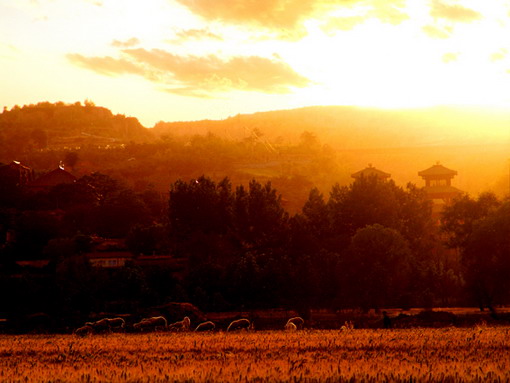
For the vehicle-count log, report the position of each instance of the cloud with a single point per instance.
(455, 13)
(388, 11)
(438, 32)
(133, 41)
(97, 3)
(499, 55)
(268, 13)
(196, 34)
(385, 11)
(343, 23)
(198, 76)
(287, 16)
(108, 66)
(215, 74)
(450, 57)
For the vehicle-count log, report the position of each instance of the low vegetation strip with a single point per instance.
(451, 354)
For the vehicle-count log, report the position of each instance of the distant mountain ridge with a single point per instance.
(359, 128)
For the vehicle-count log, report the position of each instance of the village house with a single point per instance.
(51, 179)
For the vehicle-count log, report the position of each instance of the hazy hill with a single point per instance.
(45, 125)
(473, 141)
(356, 128)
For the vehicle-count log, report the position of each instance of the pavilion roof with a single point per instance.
(371, 171)
(437, 170)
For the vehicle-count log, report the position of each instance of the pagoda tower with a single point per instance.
(438, 186)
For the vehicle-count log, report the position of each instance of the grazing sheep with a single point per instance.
(153, 323)
(298, 321)
(348, 325)
(240, 324)
(290, 327)
(116, 323)
(84, 330)
(100, 325)
(182, 325)
(206, 326)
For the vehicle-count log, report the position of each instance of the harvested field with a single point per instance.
(448, 354)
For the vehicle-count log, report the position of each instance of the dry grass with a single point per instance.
(479, 354)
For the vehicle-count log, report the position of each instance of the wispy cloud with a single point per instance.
(108, 66)
(455, 13)
(97, 3)
(437, 32)
(267, 13)
(450, 57)
(286, 17)
(499, 55)
(198, 76)
(196, 34)
(390, 12)
(133, 41)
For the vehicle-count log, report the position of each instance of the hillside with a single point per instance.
(47, 125)
(267, 145)
(345, 127)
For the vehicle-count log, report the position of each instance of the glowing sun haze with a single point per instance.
(194, 59)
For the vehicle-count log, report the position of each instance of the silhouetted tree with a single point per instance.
(459, 218)
(486, 258)
(380, 267)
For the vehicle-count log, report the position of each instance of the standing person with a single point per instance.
(386, 320)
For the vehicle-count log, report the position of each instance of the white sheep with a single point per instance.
(84, 330)
(348, 325)
(206, 326)
(151, 323)
(290, 326)
(298, 321)
(240, 324)
(100, 325)
(182, 325)
(116, 323)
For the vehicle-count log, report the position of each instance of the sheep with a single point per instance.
(290, 326)
(84, 330)
(348, 325)
(240, 324)
(100, 325)
(206, 326)
(298, 321)
(182, 325)
(116, 323)
(151, 323)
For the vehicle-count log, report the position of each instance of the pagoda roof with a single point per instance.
(370, 171)
(437, 170)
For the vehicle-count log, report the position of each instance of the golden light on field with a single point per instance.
(187, 60)
(434, 355)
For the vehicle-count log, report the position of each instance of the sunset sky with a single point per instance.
(193, 59)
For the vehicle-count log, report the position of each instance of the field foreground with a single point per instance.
(452, 354)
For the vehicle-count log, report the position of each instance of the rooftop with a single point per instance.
(437, 170)
(370, 171)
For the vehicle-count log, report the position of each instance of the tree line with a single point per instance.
(369, 244)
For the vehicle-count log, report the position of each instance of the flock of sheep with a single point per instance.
(159, 323)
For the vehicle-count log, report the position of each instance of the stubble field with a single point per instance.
(452, 354)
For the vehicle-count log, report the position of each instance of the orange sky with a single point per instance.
(194, 59)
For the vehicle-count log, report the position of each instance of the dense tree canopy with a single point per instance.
(480, 229)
